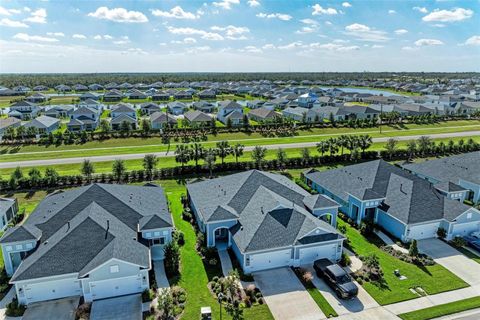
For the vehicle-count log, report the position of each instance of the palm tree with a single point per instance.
(364, 142)
(150, 162)
(210, 158)
(332, 146)
(223, 150)
(305, 155)
(342, 142)
(281, 158)
(197, 152)
(237, 151)
(87, 169)
(118, 169)
(391, 147)
(411, 149)
(258, 155)
(182, 154)
(424, 145)
(51, 176)
(322, 147)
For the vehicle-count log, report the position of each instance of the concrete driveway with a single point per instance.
(286, 296)
(61, 309)
(452, 259)
(121, 308)
(362, 302)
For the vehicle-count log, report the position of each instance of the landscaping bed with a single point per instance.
(431, 279)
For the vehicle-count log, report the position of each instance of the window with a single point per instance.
(160, 241)
(8, 248)
(29, 246)
(247, 261)
(156, 234)
(148, 234)
(469, 215)
(114, 269)
(18, 247)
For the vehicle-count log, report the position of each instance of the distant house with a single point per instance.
(37, 98)
(90, 95)
(8, 211)
(182, 95)
(159, 120)
(196, 117)
(176, 107)
(298, 114)
(44, 124)
(255, 104)
(149, 107)
(40, 88)
(62, 88)
(113, 96)
(160, 96)
(123, 113)
(24, 110)
(6, 123)
(203, 106)
(95, 87)
(307, 100)
(84, 118)
(230, 110)
(207, 94)
(136, 94)
(263, 114)
(92, 104)
(59, 111)
(80, 88)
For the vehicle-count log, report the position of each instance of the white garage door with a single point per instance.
(270, 260)
(464, 229)
(424, 231)
(115, 287)
(308, 255)
(50, 290)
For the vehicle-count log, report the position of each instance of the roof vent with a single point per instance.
(261, 209)
(46, 242)
(68, 225)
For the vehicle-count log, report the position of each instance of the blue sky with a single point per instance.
(239, 36)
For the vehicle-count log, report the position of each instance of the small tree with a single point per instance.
(305, 155)
(87, 169)
(391, 147)
(182, 154)
(223, 148)
(146, 127)
(197, 152)
(210, 158)
(413, 250)
(17, 174)
(51, 177)
(237, 151)
(281, 158)
(35, 177)
(150, 161)
(118, 169)
(172, 258)
(258, 155)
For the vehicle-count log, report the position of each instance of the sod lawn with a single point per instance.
(432, 279)
(443, 310)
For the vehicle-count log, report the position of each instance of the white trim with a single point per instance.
(108, 261)
(48, 277)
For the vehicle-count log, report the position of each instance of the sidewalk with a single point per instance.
(225, 261)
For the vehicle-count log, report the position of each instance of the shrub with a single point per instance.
(14, 309)
(247, 301)
(459, 242)
(366, 228)
(83, 311)
(307, 276)
(342, 229)
(413, 250)
(187, 215)
(148, 295)
(345, 260)
(442, 233)
(180, 238)
(213, 262)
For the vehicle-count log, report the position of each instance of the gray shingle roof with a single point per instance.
(319, 201)
(270, 209)
(43, 122)
(85, 227)
(406, 196)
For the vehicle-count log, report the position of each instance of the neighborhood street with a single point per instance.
(47, 162)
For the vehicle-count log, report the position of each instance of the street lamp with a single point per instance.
(220, 298)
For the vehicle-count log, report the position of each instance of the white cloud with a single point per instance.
(118, 15)
(365, 33)
(457, 14)
(79, 36)
(97, 37)
(226, 4)
(268, 46)
(37, 16)
(377, 46)
(346, 5)
(176, 12)
(27, 9)
(408, 48)
(134, 51)
(280, 16)
(15, 11)
(328, 23)
(231, 31)
(56, 34)
(401, 31)
(420, 9)
(392, 11)
(252, 49)
(473, 41)
(107, 37)
(189, 40)
(318, 10)
(309, 21)
(428, 42)
(4, 12)
(253, 3)
(332, 46)
(192, 31)
(26, 37)
(291, 46)
(5, 22)
(304, 30)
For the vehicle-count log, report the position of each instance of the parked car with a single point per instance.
(336, 277)
(473, 242)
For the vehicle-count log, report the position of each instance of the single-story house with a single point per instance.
(95, 87)
(59, 111)
(149, 107)
(37, 98)
(44, 124)
(159, 120)
(460, 172)
(113, 96)
(160, 96)
(80, 87)
(196, 117)
(263, 114)
(266, 219)
(207, 94)
(90, 95)
(203, 106)
(6, 123)
(8, 211)
(255, 104)
(177, 107)
(123, 109)
(136, 94)
(96, 242)
(117, 122)
(405, 205)
(24, 110)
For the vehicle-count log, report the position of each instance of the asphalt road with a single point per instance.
(48, 162)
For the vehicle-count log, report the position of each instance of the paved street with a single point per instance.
(133, 156)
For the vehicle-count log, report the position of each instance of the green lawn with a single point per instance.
(442, 310)
(433, 279)
(469, 254)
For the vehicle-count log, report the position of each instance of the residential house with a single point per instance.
(263, 115)
(84, 118)
(24, 110)
(59, 111)
(403, 204)
(97, 105)
(6, 123)
(266, 219)
(44, 124)
(307, 100)
(80, 88)
(461, 173)
(90, 96)
(198, 118)
(136, 94)
(8, 211)
(203, 106)
(230, 110)
(207, 94)
(160, 96)
(95, 87)
(96, 242)
(255, 104)
(113, 96)
(37, 97)
(176, 107)
(159, 120)
(149, 107)
(123, 112)
(183, 94)
(63, 88)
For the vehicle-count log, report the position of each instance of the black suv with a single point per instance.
(337, 278)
